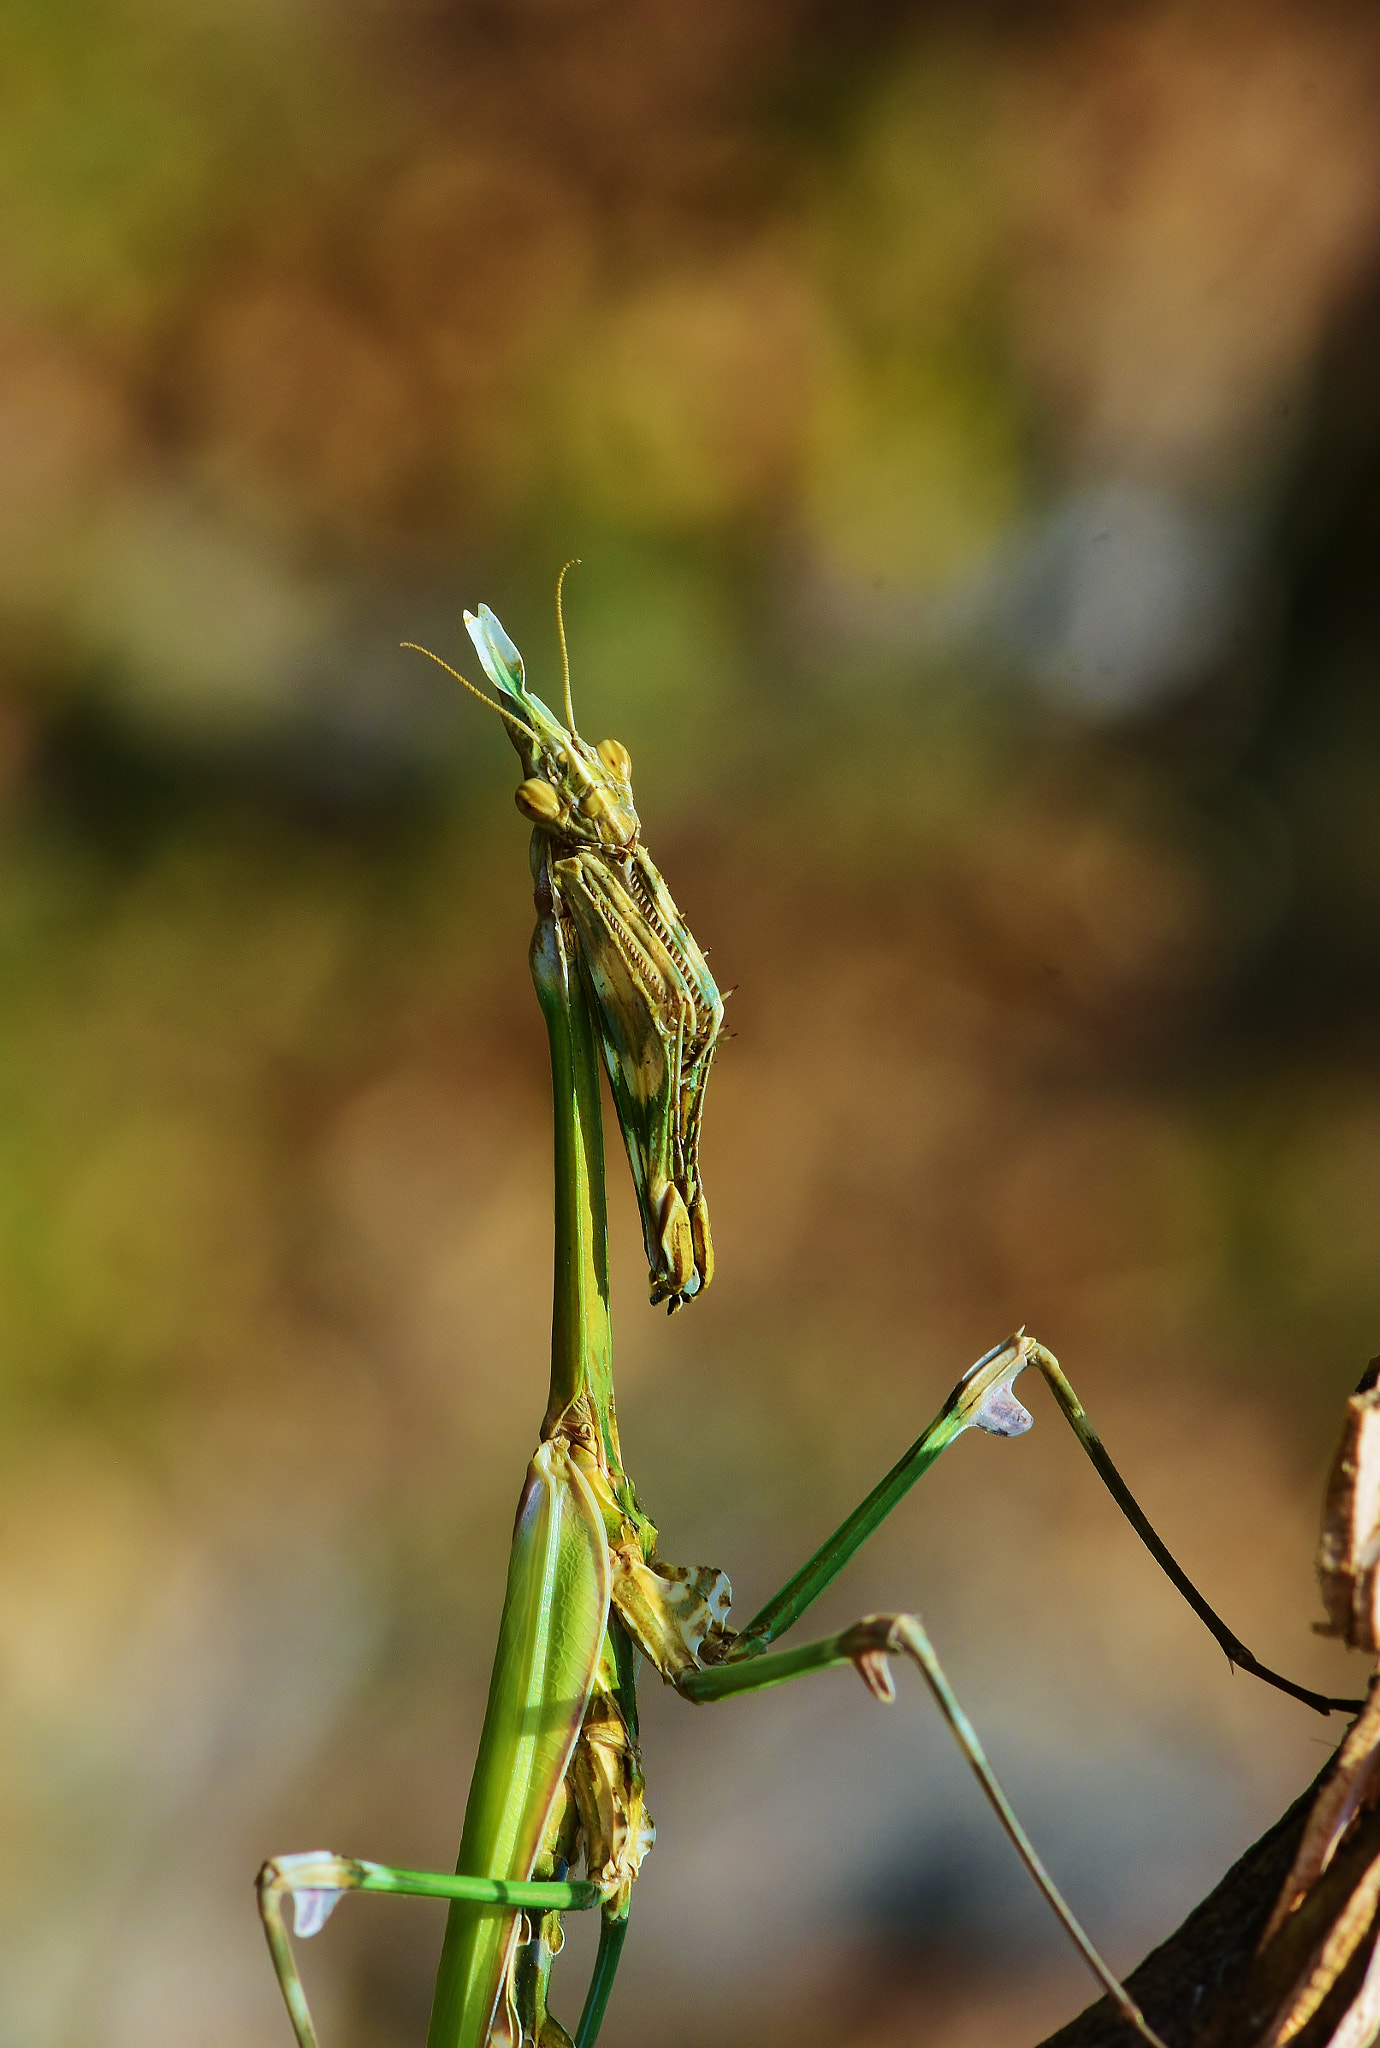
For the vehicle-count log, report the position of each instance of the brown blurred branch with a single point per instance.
(1192, 1977)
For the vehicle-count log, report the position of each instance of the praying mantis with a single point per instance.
(558, 1784)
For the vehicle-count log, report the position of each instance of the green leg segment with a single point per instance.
(984, 1399)
(982, 1384)
(316, 1881)
(867, 1646)
(613, 1930)
(1235, 1649)
(612, 1934)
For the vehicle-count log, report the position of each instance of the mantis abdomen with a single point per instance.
(555, 1611)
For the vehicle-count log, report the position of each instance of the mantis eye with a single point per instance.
(616, 759)
(538, 801)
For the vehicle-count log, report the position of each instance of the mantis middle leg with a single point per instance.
(984, 1399)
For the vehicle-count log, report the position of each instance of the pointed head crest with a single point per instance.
(578, 793)
(503, 665)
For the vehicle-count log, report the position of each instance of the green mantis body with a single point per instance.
(558, 1782)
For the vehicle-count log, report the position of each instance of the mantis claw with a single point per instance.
(1001, 1414)
(315, 1880)
(871, 1662)
(311, 1910)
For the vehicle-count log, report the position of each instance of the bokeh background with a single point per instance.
(968, 419)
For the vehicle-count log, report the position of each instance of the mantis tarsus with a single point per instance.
(558, 1781)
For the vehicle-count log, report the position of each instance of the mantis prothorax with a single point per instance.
(558, 1782)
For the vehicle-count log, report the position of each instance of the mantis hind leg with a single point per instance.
(868, 1645)
(612, 1934)
(983, 1399)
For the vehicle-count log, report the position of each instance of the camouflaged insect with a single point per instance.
(658, 1014)
(558, 1782)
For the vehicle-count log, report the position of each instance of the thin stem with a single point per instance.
(581, 1330)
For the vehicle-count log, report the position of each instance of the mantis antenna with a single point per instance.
(573, 563)
(417, 648)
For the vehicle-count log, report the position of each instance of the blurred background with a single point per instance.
(968, 420)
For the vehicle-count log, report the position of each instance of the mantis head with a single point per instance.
(581, 795)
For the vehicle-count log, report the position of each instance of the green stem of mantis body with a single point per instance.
(581, 1334)
(581, 1330)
